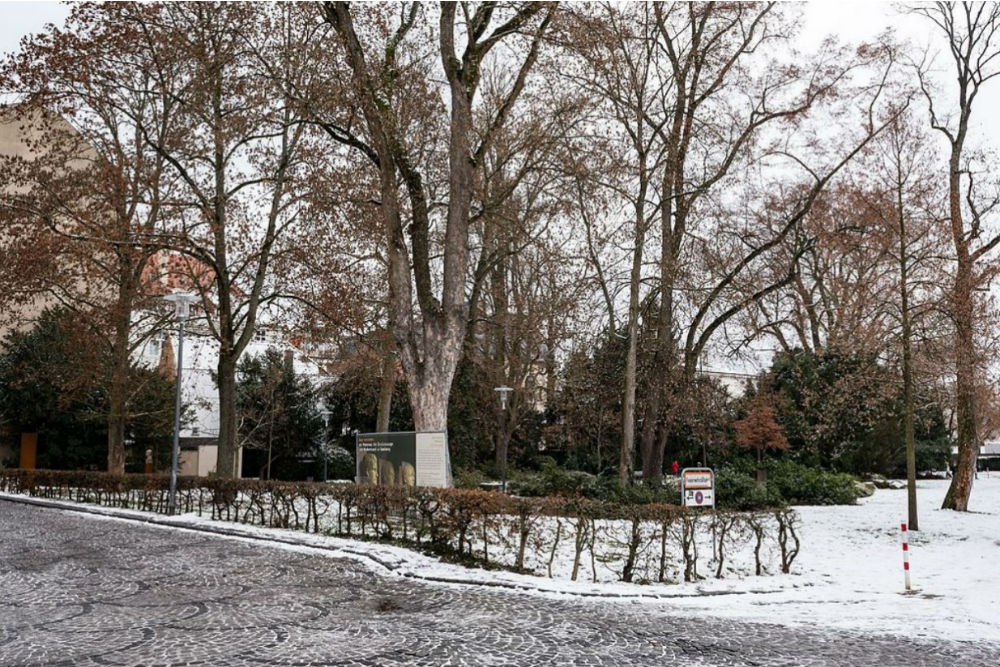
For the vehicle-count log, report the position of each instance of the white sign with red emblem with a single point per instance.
(698, 487)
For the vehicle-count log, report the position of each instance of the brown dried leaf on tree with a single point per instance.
(84, 197)
(759, 430)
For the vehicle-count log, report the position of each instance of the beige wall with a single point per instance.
(14, 142)
(208, 457)
(202, 462)
(187, 463)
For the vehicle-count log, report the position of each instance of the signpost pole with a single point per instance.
(906, 560)
(715, 517)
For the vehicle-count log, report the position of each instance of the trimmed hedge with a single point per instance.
(640, 542)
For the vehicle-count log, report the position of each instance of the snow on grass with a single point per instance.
(850, 571)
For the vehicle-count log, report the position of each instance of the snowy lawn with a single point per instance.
(850, 572)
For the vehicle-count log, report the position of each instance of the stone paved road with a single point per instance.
(79, 590)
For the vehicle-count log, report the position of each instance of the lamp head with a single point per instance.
(504, 390)
(182, 303)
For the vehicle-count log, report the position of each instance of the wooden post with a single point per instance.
(29, 451)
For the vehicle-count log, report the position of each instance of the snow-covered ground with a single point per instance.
(848, 575)
(850, 571)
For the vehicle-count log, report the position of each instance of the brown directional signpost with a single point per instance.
(698, 490)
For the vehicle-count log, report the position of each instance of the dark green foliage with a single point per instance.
(700, 426)
(151, 420)
(340, 464)
(931, 454)
(53, 380)
(468, 478)
(588, 412)
(801, 485)
(473, 415)
(552, 480)
(636, 494)
(788, 483)
(352, 399)
(279, 418)
(471, 422)
(738, 490)
(588, 408)
(844, 412)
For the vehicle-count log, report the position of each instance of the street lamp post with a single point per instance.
(503, 391)
(182, 302)
(326, 438)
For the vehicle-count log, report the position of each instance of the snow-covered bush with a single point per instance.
(340, 463)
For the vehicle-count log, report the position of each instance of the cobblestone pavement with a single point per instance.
(79, 590)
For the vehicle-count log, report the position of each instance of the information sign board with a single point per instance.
(698, 487)
(403, 459)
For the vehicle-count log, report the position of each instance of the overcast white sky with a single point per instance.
(850, 21)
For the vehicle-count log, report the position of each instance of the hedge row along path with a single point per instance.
(560, 538)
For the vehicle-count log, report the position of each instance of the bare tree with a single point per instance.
(710, 125)
(394, 79)
(620, 69)
(235, 144)
(903, 205)
(837, 299)
(970, 31)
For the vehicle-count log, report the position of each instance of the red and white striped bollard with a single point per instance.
(906, 559)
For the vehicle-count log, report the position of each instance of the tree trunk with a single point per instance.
(386, 386)
(628, 408)
(118, 388)
(672, 223)
(904, 303)
(429, 360)
(631, 354)
(117, 405)
(118, 402)
(429, 398)
(647, 439)
(628, 401)
(226, 465)
(551, 365)
(958, 494)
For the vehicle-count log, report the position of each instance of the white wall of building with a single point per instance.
(199, 391)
